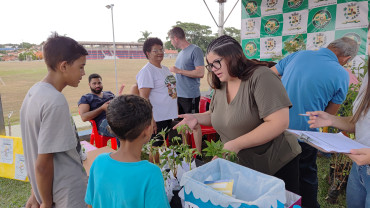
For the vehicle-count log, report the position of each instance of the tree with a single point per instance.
(26, 45)
(21, 57)
(145, 34)
(233, 32)
(200, 35)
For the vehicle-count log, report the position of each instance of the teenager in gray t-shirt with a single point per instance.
(53, 163)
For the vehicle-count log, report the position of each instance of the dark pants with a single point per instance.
(290, 175)
(308, 182)
(188, 105)
(161, 125)
(103, 130)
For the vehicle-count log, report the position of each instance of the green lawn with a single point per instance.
(13, 193)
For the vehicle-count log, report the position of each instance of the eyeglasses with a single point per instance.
(216, 64)
(158, 51)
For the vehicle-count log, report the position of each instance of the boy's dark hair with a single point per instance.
(128, 116)
(177, 32)
(93, 76)
(61, 48)
(149, 43)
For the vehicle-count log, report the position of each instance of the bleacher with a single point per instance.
(121, 54)
(108, 53)
(95, 54)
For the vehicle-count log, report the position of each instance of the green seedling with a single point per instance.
(217, 149)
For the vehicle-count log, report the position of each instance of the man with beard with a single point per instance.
(92, 106)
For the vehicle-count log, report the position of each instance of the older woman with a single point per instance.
(157, 84)
(250, 111)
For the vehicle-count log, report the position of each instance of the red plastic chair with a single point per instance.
(206, 130)
(100, 140)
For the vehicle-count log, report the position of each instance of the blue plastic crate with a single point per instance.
(251, 188)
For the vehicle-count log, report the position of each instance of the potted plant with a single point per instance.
(177, 157)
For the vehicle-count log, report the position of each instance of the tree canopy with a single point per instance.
(201, 35)
(145, 34)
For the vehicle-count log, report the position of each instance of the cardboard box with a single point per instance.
(91, 155)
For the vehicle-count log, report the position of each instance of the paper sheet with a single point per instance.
(6, 150)
(329, 142)
(20, 167)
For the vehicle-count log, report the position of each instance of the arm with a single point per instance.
(145, 92)
(332, 108)
(198, 72)
(87, 115)
(274, 69)
(121, 89)
(44, 169)
(360, 156)
(192, 120)
(323, 119)
(32, 202)
(273, 125)
(134, 90)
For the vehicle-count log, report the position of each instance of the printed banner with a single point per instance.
(251, 29)
(251, 48)
(12, 162)
(268, 25)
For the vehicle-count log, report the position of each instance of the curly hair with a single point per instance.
(128, 116)
(149, 43)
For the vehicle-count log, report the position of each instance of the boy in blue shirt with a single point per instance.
(121, 179)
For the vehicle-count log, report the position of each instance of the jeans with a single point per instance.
(358, 187)
(103, 130)
(308, 182)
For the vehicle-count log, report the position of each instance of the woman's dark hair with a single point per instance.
(128, 116)
(231, 51)
(61, 48)
(149, 43)
(269, 64)
(364, 106)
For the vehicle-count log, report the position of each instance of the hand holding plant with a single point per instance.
(216, 149)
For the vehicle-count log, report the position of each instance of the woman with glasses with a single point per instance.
(250, 111)
(157, 84)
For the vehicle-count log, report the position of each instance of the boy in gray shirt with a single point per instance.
(54, 167)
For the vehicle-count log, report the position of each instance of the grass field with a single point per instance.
(18, 77)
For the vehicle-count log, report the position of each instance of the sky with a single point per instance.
(33, 21)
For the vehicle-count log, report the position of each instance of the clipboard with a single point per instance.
(328, 142)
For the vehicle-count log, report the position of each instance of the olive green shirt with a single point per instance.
(259, 96)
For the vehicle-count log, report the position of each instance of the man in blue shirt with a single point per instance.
(92, 106)
(189, 68)
(315, 81)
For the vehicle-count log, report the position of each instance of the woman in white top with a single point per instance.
(358, 186)
(157, 84)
